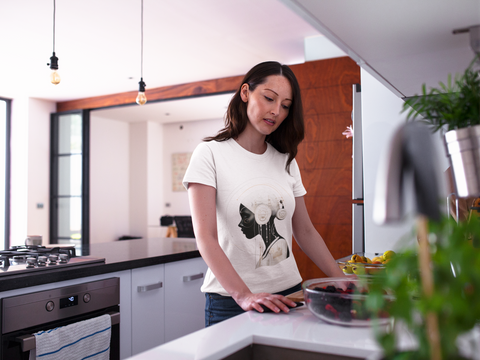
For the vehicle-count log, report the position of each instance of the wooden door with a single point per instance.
(325, 156)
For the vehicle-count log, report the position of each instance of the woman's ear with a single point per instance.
(244, 90)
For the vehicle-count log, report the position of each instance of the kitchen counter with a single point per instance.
(297, 330)
(119, 255)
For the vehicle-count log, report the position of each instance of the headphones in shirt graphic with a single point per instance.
(264, 210)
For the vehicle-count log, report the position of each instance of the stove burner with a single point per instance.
(37, 254)
(21, 260)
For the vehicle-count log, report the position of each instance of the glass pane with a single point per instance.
(70, 175)
(70, 218)
(70, 134)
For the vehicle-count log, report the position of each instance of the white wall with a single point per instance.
(138, 179)
(109, 179)
(182, 138)
(30, 168)
(155, 185)
(131, 174)
(381, 117)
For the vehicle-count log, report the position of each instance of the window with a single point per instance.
(69, 223)
(5, 106)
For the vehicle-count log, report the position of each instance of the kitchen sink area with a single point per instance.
(262, 352)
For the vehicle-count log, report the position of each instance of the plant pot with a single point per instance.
(463, 152)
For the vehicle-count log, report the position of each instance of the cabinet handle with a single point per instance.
(146, 288)
(192, 277)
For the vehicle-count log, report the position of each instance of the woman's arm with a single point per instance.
(202, 200)
(311, 242)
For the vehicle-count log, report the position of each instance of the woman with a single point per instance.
(249, 167)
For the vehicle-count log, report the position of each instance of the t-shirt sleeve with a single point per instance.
(201, 168)
(298, 188)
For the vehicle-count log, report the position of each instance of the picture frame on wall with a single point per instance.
(180, 163)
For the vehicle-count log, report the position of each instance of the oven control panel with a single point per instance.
(27, 310)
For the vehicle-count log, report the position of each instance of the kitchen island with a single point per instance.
(296, 335)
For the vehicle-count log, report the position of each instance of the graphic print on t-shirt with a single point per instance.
(260, 213)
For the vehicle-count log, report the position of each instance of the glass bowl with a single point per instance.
(341, 301)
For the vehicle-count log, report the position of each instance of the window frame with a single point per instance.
(8, 135)
(54, 178)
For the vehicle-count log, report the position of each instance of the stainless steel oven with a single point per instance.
(25, 314)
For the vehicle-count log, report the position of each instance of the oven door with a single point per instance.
(17, 344)
(24, 315)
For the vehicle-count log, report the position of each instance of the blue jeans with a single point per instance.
(219, 308)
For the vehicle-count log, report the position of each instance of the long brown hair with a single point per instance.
(292, 130)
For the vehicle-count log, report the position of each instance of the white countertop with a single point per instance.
(299, 329)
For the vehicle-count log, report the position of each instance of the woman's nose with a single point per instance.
(276, 109)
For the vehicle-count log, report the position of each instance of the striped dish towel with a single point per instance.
(88, 339)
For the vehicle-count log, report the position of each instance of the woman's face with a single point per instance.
(268, 105)
(247, 224)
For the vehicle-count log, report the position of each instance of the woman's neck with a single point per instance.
(252, 142)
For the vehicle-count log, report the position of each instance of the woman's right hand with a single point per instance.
(276, 303)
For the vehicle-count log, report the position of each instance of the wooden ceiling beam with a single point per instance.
(208, 87)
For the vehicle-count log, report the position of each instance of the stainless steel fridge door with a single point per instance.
(358, 240)
(357, 167)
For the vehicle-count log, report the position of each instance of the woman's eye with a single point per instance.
(286, 107)
(268, 99)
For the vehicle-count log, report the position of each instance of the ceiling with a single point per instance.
(404, 44)
(98, 42)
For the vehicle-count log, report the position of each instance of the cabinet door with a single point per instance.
(148, 300)
(184, 302)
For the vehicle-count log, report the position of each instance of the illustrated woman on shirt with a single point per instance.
(259, 219)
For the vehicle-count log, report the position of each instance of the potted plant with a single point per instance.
(455, 265)
(454, 107)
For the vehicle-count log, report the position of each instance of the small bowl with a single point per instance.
(362, 268)
(327, 301)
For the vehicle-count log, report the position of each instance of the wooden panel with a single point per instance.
(334, 236)
(329, 209)
(325, 182)
(327, 126)
(326, 100)
(327, 73)
(216, 86)
(325, 154)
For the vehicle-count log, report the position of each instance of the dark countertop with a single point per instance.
(118, 255)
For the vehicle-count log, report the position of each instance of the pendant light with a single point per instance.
(54, 76)
(141, 98)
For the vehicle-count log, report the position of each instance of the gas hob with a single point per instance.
(24, 259)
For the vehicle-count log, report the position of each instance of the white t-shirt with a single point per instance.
(255, 203)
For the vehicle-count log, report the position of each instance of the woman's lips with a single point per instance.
(269, 121)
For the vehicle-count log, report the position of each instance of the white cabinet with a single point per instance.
(166, 302)
(184, 303)
(148, 315)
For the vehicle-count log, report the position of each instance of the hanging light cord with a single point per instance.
(54, 8)
(141, 51)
